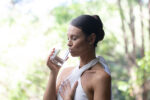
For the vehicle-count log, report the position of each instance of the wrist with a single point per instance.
(53, 74)
(69, 99)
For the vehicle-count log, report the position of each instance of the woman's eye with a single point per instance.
(74, 38)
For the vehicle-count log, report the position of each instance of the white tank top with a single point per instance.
(76, 76)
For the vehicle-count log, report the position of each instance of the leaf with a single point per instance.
(123, 86)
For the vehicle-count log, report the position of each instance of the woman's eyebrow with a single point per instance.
(72, 35)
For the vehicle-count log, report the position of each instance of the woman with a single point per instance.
(91, 79)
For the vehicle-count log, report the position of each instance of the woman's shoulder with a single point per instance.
(101, 83)
(97, 78)
(100, 74)
(64, 72)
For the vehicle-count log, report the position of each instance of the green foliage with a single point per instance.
(33, 85)
(143, 71)
(18, 93)
(142, 74)
(32, 33)
(107, 46)
(123, 86)
(64, 14)
(126, 89)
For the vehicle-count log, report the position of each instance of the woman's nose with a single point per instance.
(69, 43)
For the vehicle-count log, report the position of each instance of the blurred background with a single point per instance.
(29, 29)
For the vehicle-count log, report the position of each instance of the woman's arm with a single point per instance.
(50, 93)
(102, 87)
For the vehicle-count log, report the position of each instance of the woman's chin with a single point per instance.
(74, 55)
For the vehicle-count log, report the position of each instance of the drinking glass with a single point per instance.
(59, 56)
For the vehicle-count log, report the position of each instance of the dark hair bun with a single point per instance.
(90, 24)
(101, 33)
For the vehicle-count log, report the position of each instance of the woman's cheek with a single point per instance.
(78, 44)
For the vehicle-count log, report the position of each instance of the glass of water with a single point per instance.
(59, 56)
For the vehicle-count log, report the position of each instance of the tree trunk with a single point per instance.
(146, 84)
(149, 22)
(123, 27)
(142, 32)
(137, 90)
(132, 29)
(124, 34)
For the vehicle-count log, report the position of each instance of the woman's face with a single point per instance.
(77, 42)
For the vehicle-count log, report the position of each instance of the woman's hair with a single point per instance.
(90, 24)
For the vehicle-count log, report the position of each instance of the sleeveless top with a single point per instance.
(76, 76)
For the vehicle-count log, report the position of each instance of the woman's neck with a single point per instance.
(84, 59)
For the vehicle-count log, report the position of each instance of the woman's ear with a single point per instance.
(92, 38)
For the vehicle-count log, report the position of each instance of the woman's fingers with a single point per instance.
(74, 89)
(52, 64)
(63, 91)
(48, 59)
(52, 52)
(68, 85)
(66, 91)
(66, 88)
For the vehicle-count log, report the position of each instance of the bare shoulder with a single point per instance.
(64, 72)
(101, 84)
(101, 74)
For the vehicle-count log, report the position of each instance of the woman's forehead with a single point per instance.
(72, 30)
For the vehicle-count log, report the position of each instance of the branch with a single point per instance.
(149, 22)
(132, 29)
(123, 28)
(142, 26)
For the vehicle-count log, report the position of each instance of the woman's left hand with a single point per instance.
(67, 93)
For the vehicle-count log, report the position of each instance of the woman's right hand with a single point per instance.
(51, 65)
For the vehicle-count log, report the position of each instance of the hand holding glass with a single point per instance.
(57, 57)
